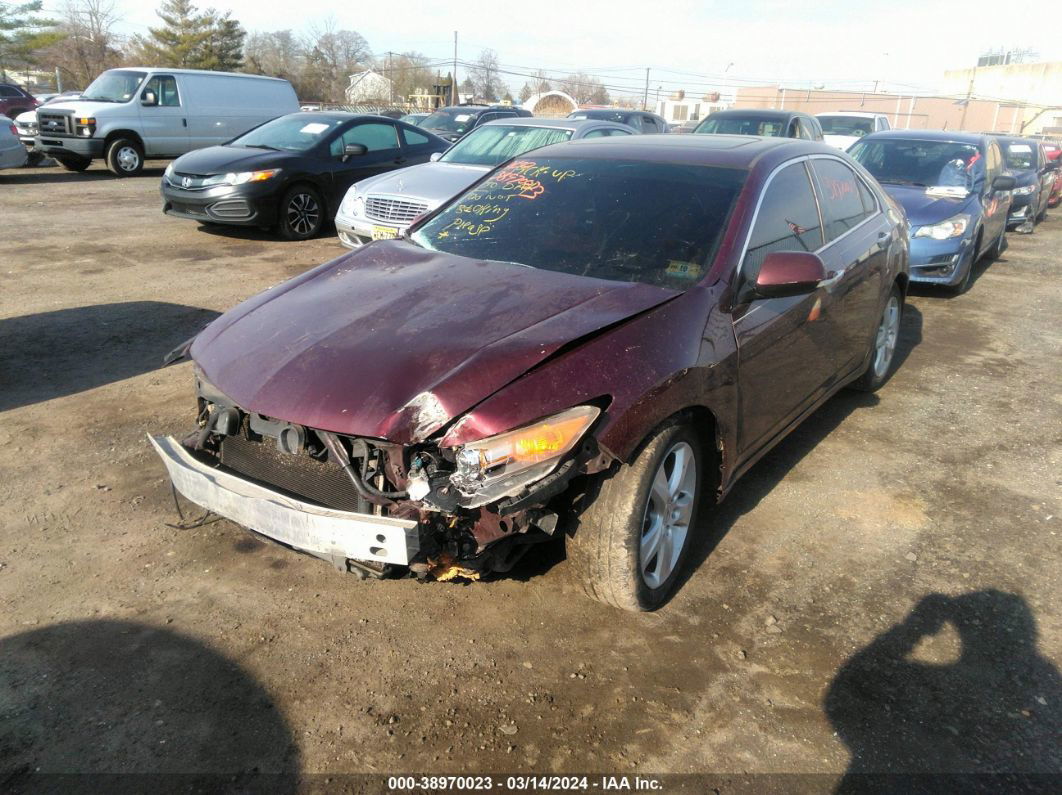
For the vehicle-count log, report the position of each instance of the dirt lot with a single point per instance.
(881, 594)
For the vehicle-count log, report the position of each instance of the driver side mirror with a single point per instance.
(1004, 182)
(354, 150)
(786, 273)
(149, 98)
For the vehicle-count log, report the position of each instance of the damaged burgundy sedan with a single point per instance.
(591, 341)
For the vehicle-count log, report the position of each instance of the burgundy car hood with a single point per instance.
(394, 341)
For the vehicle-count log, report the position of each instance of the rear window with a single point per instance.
(627, 221)
(768, 128)
(846, 125)
(496, 143)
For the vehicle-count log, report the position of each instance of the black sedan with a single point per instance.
(291, 173)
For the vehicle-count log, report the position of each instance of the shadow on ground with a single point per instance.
(995, 707)
(52, 354)
(96, 697)
(40, 175)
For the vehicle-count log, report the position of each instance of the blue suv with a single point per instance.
(957, 198)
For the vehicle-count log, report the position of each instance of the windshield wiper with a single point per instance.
(261, 146)
(901, 182)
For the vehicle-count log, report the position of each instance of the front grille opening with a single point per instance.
(323, 483)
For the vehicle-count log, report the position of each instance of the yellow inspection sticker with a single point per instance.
(684, 270)
(384, 233)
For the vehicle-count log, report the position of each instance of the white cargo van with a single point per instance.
(133, 113)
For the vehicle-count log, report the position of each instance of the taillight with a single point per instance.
(14, 130)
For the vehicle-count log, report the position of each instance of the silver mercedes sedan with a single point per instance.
(382, 207)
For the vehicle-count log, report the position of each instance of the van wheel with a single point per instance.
(301, 213)
(74, 164)
(125, 157)
(633, 539)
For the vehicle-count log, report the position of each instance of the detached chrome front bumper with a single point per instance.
(319, 531)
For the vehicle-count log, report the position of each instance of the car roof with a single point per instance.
(755, 113)
(337, 115)
(608, 111)
(727, 151)
(861, 114)
(168, 71)
(947, 136)
(562, 124)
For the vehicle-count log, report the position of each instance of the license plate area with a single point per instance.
(384, 233)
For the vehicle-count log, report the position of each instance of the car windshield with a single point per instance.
(921, 163)
(413, 118)
(450, 121)
(118, 85)
(603, 115)
(622, 220)
(735, 125)
(1020, 157)
(496, 143)
(846, 125)
(294, 133)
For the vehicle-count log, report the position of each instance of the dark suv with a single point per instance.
(456, 121)
(768, 123)
(643, 121)
(14, 100)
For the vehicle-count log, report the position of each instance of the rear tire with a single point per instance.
(301, 213)
(34, 159)
(649, 508)
(125, 157)
(883, 353)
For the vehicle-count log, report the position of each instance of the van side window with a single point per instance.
(839, 197)
(788, 219)
(165, 88)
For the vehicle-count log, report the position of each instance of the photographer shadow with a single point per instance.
(994, 707)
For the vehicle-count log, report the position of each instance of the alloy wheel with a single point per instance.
(666, 522)
(303, 213)
(888, 334)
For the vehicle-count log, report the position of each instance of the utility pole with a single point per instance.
(390, 80)
(453, 88)
(645, 96)
(969, 95)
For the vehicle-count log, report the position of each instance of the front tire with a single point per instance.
(883, 354)
(633, 539)
(301, 213)
(999, 246)
(125, 157)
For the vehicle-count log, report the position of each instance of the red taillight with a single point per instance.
(14, 130)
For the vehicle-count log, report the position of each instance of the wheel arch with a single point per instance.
(705, 423)
(113, 135)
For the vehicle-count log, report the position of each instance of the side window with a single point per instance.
(413, 138)
(793, 131)
(649, 125)
(842, 205)
(617, 132)
(805, 129)
(788, 219)
(165, 88)
(375, 136)
(7, 92)
(597, 133)
(993, 162)
(870, 204)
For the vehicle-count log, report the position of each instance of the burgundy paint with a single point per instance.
(789, 269)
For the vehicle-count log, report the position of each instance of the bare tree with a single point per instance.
(88, 44)
(408, 72)
(485, 76)
(331, 57)
(585, 89)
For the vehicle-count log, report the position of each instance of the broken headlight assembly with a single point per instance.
(500, 465)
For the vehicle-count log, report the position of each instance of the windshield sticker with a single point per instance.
(683, 270)
(1025, 148)
(947, 192)
(462, 117)
(314, 128)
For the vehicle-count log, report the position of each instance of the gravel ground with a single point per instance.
(881, 594)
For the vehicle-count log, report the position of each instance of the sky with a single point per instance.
(686, 44)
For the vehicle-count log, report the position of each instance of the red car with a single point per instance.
(15, 100)
(1054, 151)
(593, 341)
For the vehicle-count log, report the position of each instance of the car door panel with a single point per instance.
(384, 154)
(786, 346)
(164, 126)
(857, 255)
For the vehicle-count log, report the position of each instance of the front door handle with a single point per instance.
(832, 278)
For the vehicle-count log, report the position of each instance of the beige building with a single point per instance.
(1039, 85)
(908, 111)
